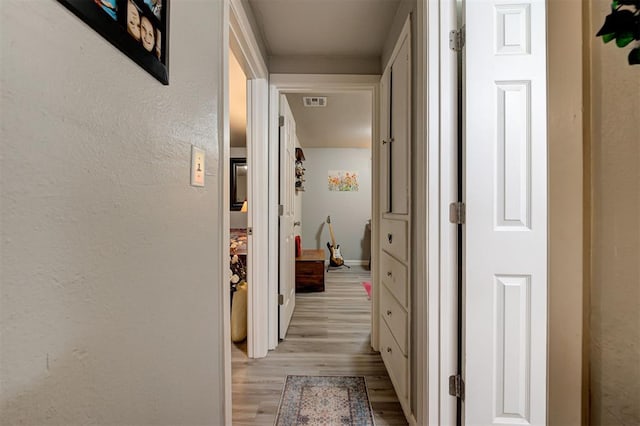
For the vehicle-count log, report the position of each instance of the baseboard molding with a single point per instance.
(352, 262)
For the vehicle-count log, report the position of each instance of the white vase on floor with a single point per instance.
(239, 314)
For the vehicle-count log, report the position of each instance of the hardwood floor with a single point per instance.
(329, 335)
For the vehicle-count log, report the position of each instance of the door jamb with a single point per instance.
(238, 35)
(243, 43)
(436, 327)
(310, 83)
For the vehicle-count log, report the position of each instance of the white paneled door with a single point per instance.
(505, 325)
(287, 287)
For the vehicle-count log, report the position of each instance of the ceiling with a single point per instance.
(306, 33)
(353, 28)
(344, 123)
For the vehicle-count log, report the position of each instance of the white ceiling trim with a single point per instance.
(323, 83)
(244, 42)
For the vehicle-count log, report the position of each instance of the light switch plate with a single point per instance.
(197, 166)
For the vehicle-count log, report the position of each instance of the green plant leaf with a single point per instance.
(609, 26)
(608, 37)
(634, 56)
(624, 39)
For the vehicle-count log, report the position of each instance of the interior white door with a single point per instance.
(287, 287)
(505, 351)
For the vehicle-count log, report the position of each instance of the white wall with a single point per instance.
(110, 294)
(349, 211)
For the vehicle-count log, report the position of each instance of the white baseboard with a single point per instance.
(352, 262)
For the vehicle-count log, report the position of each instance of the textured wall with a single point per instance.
(349, 211)
(109, 294)
(615, 290)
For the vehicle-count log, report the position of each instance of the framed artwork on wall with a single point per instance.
(139, 28)
(238, 179)
(342, 180)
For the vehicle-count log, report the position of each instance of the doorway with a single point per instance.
(435, 235)
(316, 85)
(246, 115)
(333, 186)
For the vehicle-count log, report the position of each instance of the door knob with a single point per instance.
(390, 238)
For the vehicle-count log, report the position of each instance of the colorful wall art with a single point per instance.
(340, 180)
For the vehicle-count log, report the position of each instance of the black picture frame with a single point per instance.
(237, 194)
(110, 19)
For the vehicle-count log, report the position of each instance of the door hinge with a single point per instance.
(249, 231)
(456, 39)
(280, 210)
(456, 386)
(457, 213)
(281, 121)
(281, 299)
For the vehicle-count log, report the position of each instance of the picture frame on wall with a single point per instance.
(139, 28)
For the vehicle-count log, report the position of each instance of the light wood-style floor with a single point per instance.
(329, 335)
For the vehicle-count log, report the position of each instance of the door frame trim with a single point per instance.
(242, 42)
(435, 188)
(237, 35)
(312, 83)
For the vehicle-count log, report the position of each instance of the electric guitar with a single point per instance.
(335, 258)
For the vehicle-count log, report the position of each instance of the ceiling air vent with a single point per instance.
(315, 101)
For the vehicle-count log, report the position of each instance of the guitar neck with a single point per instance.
(333, 238)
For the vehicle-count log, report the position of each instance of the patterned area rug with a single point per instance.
(324, 400)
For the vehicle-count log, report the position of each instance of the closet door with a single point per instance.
(506, 227)
(394, 255)
(400, 129)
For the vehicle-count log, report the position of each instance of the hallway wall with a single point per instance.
(615, 286)
(566, 215)
(349, 211)
(110, 293)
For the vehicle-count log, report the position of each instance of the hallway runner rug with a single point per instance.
(324, 400)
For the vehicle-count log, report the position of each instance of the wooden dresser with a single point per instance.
(310, 271)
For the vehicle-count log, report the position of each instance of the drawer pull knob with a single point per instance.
(389, 312)
(388, 349)
(390, 238)
(389, 274)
